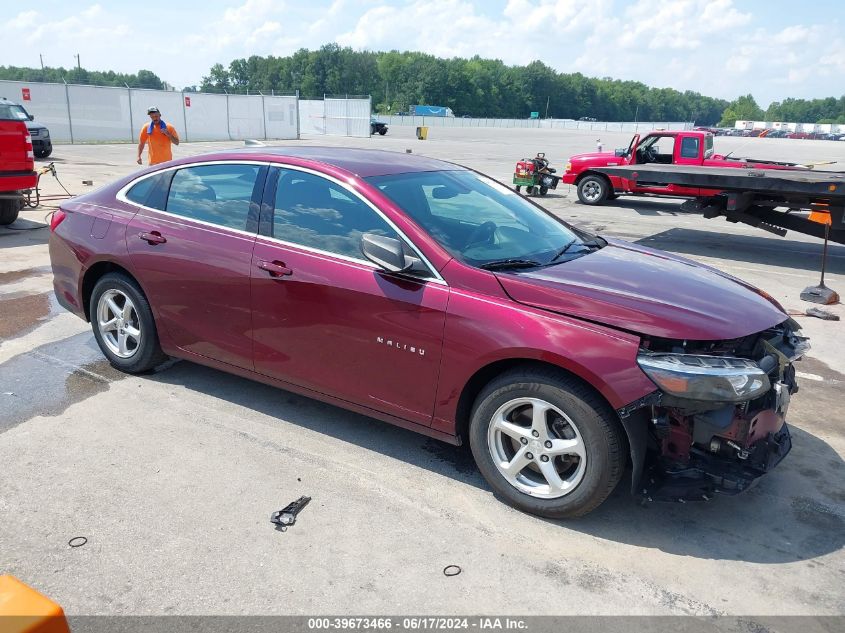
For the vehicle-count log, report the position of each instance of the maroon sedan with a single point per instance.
(427, 295)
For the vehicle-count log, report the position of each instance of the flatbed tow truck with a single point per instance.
(772, 200)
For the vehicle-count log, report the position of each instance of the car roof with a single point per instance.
(361, 162)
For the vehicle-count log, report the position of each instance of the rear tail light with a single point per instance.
(56, 219)
(27, 139)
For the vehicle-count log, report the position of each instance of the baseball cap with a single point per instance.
(152, 109)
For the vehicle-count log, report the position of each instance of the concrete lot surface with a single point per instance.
(172, 476)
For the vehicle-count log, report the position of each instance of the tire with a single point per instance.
(544, 191)
(139, 352)
(518, 188)
(44, 153)
(382, 131)
(9, 210)
(579, 438)
(593, 190)
(529, 191)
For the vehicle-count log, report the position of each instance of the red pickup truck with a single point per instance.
(690, 147)
(17, 163)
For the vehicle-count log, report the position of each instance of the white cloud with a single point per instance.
(716, 47)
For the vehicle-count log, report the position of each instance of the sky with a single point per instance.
(773, 49)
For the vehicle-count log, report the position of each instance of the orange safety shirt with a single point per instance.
(159, 144)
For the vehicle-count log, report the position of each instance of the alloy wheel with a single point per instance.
(118, 323)
(537, 448)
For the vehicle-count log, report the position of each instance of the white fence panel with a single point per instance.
(280, 117)
(312, 116)
(100, 113)
(47, 102)
(348, 117)
(359, 112)
(168, 103)
(206, 118)
(246, 117)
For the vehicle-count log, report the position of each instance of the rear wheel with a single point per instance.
(9, 210)
(593, 190)
(546, 443)
(123, 324)
(544, 191)
(383, 131)
(518, 188)
(44, 153)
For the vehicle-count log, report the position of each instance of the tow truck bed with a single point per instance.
(752, 196)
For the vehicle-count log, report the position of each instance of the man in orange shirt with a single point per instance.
(160, 136)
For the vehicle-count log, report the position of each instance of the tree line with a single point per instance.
(745, 108)
(141, 79)
(476, 87)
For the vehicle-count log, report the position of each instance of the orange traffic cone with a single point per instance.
(24, 610)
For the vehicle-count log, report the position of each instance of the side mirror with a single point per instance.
(32, 117)
(388, 253)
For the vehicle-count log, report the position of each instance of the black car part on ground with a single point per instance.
(286, 517)
(685, 450)
(751, 196)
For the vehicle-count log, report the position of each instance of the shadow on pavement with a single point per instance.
(771, 523)
(773, 251)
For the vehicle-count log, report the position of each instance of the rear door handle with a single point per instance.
(276, 269)
(153, 237)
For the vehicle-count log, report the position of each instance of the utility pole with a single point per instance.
(78, 62)
(41, 57)
(547, 106)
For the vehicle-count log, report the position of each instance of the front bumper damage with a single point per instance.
(706, 474)
(686, 450)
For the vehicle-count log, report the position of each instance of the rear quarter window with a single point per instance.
(150, 192)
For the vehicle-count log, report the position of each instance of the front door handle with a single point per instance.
(153, 237)
(276, 269)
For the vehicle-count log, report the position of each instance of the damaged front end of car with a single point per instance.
(717, 421)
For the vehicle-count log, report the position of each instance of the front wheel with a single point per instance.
(382, 131)
(123, 324)
(593, 190)
(44, 153)
(546, 443)
(544, 191)
(9, 210)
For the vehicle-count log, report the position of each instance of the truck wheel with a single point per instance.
(44, 153)
(547, 443)
(382, 131)
(9, 210)
(593, 190)
(123, 324)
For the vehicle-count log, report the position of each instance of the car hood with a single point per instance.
(648, 292)
(603, 159)
(34, 126)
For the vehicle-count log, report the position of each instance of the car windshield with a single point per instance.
(483, 222)
(13, 112)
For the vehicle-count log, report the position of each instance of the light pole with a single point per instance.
(78, 62)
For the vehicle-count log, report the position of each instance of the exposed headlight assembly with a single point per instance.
(709, 378)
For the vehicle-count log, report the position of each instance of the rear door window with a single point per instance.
(216, 194)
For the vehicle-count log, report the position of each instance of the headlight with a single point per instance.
(712, 378)
(568, 167)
